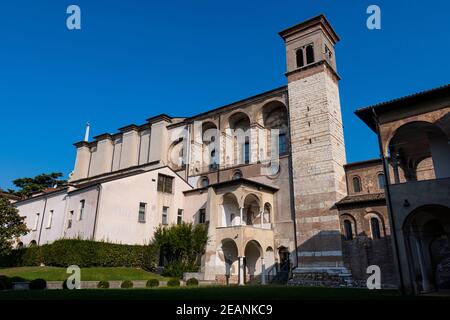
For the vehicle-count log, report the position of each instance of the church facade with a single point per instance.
(267, 175)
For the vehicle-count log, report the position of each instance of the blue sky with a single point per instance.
(134, 59)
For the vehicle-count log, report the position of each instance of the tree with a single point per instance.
(182, 246)
(27, 186)
(12, 225)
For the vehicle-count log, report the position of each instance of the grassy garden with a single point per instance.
(260, 293)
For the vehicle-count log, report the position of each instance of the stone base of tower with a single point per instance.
(322, 277)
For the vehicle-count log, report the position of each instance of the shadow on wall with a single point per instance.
(363, 251)
(357, 254)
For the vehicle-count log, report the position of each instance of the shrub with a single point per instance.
(173, 282)
(5, 283)
(103, 285)
(84, 253)
(127, 284)
(38, 284)
(152, 283)
(192, 282)
(182, 247)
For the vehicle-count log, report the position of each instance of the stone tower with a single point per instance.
(317, 142)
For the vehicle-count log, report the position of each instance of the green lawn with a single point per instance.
(87, 274)
(211, 293)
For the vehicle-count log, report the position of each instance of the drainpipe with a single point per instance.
(42, 220)
(97, 208)
(389, 202)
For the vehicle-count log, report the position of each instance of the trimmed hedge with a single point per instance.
(5, 283)
(84, 253)
(103, 285)
(38, 284)
(152, 283)
(127, 284)
(173, 283)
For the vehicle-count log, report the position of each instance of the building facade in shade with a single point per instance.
(267, 175)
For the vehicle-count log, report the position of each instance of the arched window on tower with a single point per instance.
(348, 230)
(309, 54)
(381, 181)
(299, 56)
(356, 184)
(375, 228)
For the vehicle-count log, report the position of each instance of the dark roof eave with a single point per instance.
(236, 181)
(366, 113)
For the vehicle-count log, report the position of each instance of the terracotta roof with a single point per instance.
(361, 198)
(366, 115)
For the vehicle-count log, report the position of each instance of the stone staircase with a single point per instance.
(332, 277)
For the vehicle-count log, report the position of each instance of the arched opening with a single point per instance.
(240, 125)
(309, 54)
(284, 255)
(415, 142)
(375, 228)
(231, 260)
(231, 211)
(237, 175)
(252, 212)
(427, 232)
(348, 230)
(32, 243)
(20, 245)
(210, 146)
(267, 216)
(270, 265)
(381, 181)
(356, 184)
(253, 263)
(203, 182)
(299, 58)
(177, 154)
(275, 121)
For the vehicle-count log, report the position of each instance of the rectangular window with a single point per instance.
(49, 220)
(247, 152)
(69, 221)
(36, 222)
(142, 210)
(282, 145)
(165, 216)
(180, 216)
(80, 213)
(202, 216)
(165, 183)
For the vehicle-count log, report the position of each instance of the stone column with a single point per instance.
(263, 271)
(241, 216)
(261, 213)
(426, 285)
(241, 281)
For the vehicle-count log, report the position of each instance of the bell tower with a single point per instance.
(317, 144)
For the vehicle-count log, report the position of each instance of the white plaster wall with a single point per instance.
(440, 151)
(29, 209)
(81, 228)
(57, 203)
(193, 203)
(119, 207)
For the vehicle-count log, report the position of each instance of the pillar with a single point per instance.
(241, 216)
(426, 285)
(263, 271)
(241, 281)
